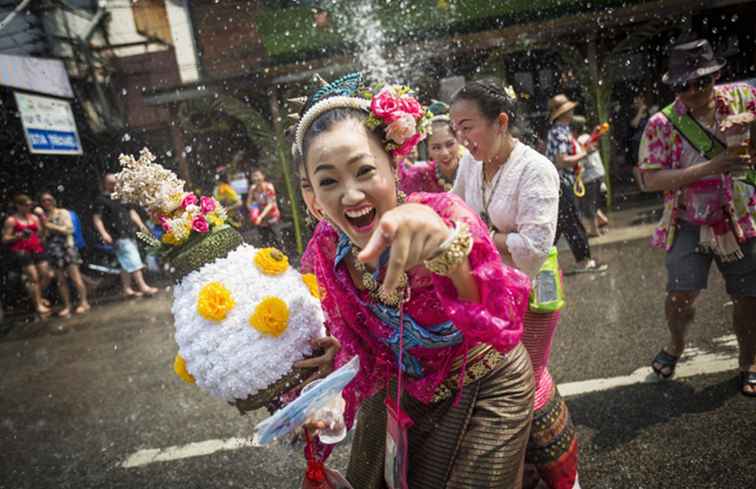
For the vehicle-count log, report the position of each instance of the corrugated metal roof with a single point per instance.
(24, 35)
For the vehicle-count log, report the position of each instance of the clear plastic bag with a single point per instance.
(319, 399)
(704, 202)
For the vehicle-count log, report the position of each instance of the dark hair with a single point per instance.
(490, 98)
(22, 199)
(443, 121)
(325, 121)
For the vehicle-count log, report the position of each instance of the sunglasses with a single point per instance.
(698, 84)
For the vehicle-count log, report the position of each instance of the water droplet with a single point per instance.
(60, 188)
(126, 137)
(187, 149)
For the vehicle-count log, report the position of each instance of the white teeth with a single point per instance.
(359, 213)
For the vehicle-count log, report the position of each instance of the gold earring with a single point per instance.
(400, 196)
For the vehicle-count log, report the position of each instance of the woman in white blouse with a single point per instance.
(516, 191)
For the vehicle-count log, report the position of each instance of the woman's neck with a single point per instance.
(501, 156)
(449, 172)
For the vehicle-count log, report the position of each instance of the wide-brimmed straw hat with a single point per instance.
(691, 60)
(558, 105)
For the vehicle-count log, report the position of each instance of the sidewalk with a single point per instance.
(629, 225)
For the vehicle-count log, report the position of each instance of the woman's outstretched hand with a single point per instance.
(414, 232)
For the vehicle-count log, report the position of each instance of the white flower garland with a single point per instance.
(230, 359)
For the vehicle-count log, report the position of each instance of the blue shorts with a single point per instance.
(127, 253)
(688, 269)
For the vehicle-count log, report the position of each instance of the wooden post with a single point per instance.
(283, 158)
(601, 91)
(178, 147)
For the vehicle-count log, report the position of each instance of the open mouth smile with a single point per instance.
(361, 218)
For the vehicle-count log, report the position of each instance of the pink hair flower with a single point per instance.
(385, 106)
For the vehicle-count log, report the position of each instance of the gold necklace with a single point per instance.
(375, 289)
(446, 184)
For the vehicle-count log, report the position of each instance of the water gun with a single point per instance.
(600, 130)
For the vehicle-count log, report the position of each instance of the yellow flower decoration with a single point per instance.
(271, 261)
(271, 316)
(312, 283)
(170, 239)
(214, 220)
(214, 302)
(179, 366)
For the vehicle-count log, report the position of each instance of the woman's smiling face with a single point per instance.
(352, 178)
(479, 134)
(443, 147)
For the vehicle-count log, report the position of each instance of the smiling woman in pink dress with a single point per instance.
(467, 378)
(438, 174)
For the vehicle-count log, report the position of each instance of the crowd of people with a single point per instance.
(442, 276)
(45, 242)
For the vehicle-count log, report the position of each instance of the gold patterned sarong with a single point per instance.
(479, 443)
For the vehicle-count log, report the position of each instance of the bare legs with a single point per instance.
(73, 272)
(138, 278)
(744, 324)
(680, 313)
(34, 286)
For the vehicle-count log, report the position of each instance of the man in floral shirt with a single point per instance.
(710, 212)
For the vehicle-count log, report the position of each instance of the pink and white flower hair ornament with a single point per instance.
(394, 108)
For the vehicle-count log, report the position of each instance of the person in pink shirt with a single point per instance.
(22, 233)
(468, 383)
(438, 174)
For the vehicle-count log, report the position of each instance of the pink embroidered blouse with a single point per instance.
(419, 177)
(496, 320)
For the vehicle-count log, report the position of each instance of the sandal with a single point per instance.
(81, 309)
(666, 360)
(64, 313)
(747, 379)
(592, 267)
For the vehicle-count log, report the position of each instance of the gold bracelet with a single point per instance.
(452, 252)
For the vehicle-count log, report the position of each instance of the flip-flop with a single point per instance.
(747, 379)
(666, 360)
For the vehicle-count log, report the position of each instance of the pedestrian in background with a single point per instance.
(592, 175)
(708, 214)
(563, 151)
(229, 198)
(63, 254)
(263, 210)
(117, 225)
(22, 233)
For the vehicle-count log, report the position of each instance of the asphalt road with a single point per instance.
(78, 398)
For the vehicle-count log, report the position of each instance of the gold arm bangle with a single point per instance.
(452, 253)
